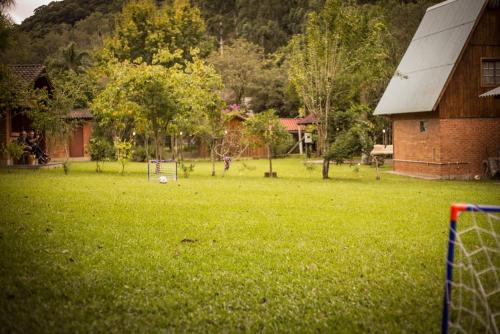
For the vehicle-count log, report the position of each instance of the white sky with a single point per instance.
(24, 8)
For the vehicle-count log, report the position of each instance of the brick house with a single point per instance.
(442, 126)
(13, 122)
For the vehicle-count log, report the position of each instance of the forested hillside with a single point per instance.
(267, 23)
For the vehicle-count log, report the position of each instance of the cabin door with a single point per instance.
(76, 147)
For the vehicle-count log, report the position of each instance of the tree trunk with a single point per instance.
(212, 156)
(326, 168)
(270, 160)
(157, 147)
(146, 144)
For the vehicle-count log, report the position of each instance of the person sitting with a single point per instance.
(27, 150)
(34, 142)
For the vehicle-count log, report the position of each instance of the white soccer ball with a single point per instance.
(163, 179)
(477, 177)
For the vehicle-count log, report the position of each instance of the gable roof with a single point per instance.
(434, 51)
(291, 124)
(80, 113)
(309, 119)
(29, 72)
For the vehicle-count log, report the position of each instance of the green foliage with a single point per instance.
(66, 167)
(140, 96)
(341, 58)
(266, 128)
(123, 151)
(241, 66)
(349, 143)
(146, 33)
(247, 72)
(139, 154)
(12, 150)
(187, 169)
(157, 101)
(49, 115)
(5, 24)
(69, 59)
(267, 23)
(100, 151)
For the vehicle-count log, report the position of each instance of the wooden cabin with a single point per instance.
(235, 140)
(16, 121)
(441, 126)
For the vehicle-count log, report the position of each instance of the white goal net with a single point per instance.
(472, 290)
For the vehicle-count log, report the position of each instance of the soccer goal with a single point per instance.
(163, 170)
(472, 288)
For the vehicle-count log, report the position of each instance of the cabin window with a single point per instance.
(490, 72)
(423, 126)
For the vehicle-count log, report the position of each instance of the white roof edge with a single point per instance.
(493, 92)
(444, 3)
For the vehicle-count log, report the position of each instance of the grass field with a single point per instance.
(89, 252)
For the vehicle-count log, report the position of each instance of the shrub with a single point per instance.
(123, 149)
(139, 154)
(187, 170)
(100, 151)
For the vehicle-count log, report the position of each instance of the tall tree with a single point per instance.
(138, 93)
(337, 61)
(241, 65)
(146, 33)
(315, 67)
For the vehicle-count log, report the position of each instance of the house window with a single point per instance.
(490, 72)
(423, 126)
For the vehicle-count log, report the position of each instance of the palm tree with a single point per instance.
(70, 59)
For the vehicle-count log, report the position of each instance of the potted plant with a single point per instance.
(14, 152)
(4, 155)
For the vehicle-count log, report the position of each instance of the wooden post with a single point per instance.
(300, 142)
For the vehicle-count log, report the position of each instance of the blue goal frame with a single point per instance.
(456, 209)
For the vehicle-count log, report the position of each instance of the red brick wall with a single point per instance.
(411, 144)
(450, 148)
(470, 140)
(56, 149)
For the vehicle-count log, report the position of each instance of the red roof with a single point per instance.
(309, 119)
(290, 124)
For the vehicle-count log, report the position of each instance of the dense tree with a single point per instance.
(247, 72)
(338, 60)
(165, 35)
(5, 24)
(70, 59)
(200, 95)
(241, 65)
(138, 93)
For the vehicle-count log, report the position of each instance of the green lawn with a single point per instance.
(89, 252)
